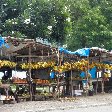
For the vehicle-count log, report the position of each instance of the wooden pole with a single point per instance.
(58, 75)
(71, 84)
(29, 71)
(102, 84)
(98, 74)
(97, 82)
(87, 72)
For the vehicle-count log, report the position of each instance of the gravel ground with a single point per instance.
(96, 103)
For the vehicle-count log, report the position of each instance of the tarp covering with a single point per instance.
(92, 72)
(52, 75)
(80, 52)
(2, 43)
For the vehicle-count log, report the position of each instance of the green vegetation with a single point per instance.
(77, 23)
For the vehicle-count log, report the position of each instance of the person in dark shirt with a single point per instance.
(10, 92)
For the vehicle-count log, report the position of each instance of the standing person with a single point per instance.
(16, 94)
(10, 92)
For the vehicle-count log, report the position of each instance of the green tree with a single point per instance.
(77, 23)
(90, 28)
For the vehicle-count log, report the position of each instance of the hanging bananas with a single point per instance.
(5, 63)
(37, 65)
(82, 65)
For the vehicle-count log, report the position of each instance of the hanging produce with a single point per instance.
(106, 75)
(82, 65)
(5, 63)
(37, 65)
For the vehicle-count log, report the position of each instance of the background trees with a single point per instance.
(77, 23)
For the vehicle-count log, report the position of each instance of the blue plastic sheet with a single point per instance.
(2, 43)
(82, 74)
(52, 75)
(80, 52)
(84, 81)
(92, 72)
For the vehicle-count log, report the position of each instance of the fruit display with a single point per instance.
(101, 66)
(19, 81)
(5, 63)
(39, 81)
(25, 95)
(106, 75)
(24, 81)
(82, 65)
(37, 65)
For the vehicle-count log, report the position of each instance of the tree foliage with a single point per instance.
(77, 23)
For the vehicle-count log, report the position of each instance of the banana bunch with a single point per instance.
(106, 75)
(92, 65)
(103, 66)
(37, 65)
(80, 65)
(109, 67)
(5, 63)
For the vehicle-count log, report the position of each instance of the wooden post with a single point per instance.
(58, 75)
(58, 86)
(97, 83)
(71, 84)
(98, 74)
(29, 74)
(87, 72)
(102, 85)
(49, 88)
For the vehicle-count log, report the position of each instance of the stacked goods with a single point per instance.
(39, 81)
(19, 81)
(37, 65)
(24, 81)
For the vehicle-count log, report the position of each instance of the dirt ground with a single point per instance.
(96, 103)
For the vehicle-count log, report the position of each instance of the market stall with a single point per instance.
(88, 58)
(72, 70)
(33, 57)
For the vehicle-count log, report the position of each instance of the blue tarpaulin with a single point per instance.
(80, 52)
(2, 43)
(52, 75)
(82, 74)
(92, 72)
(84, 81)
